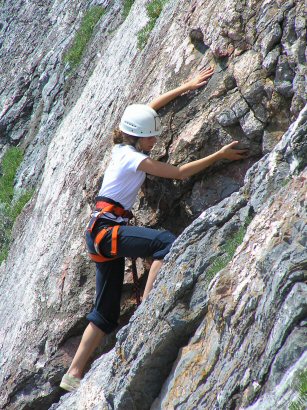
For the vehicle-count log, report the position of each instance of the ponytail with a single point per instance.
(120, 137)
(117, 136)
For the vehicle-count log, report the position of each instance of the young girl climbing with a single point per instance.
(109, 239)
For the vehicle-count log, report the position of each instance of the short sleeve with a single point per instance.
(133, 159)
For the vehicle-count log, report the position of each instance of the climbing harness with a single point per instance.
(98, 257)
(107, 206)
(104, 206)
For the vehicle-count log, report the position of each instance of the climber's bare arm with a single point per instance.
(196, 82)
(162, 169)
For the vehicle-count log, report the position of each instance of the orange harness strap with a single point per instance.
(99, 237)
(101, 234)
(114, 240)
(99, 258)
(116, 210)
(102, 208)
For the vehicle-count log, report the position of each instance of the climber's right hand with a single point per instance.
(231, 153)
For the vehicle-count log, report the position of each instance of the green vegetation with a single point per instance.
(229, 249)
(127, 6)
(154, 9)
(10, 162)
(18, 206)
(301, 387)
(90, 19)
(9, 208)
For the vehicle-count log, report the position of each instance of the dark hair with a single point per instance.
(120, 137)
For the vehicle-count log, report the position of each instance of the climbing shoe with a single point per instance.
(69, 382)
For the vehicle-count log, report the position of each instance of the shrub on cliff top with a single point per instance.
(89, 21)
(154, 9)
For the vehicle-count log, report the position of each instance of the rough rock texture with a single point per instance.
(257, 48)
(247, 327)
(34, 36)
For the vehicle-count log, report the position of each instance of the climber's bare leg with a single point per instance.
(91, 339)
(93, 336)
(154, 269)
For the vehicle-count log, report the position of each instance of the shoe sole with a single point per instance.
(67, 387)
(69, 383)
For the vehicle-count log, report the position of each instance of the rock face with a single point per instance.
(239, 340)
(34, 80)
(225, 326)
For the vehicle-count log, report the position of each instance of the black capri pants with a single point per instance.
(133, 241)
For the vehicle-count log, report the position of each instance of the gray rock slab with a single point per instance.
(47, 283)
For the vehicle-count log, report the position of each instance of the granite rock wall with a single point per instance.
(64, 123)
(236, 340)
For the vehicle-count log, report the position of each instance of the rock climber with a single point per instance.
(109, 238)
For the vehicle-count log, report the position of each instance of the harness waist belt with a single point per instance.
(116, 210)
(105, 205)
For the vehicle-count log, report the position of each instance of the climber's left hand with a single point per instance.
(200, 79)
(197, 81)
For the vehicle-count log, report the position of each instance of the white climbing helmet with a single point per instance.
(140, 120)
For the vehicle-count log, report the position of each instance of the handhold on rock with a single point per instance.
(222, 53)
(197, 39)
(196, 35)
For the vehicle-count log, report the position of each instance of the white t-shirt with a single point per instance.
(122, 180)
